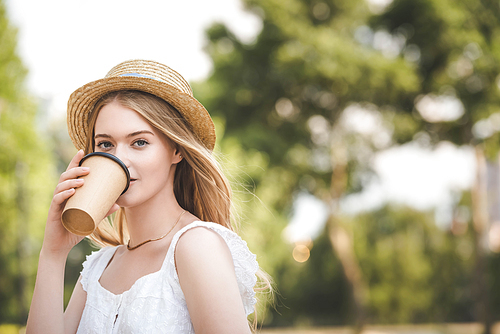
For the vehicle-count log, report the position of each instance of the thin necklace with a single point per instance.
(163, 236)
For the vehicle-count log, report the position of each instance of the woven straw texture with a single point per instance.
(146, 76)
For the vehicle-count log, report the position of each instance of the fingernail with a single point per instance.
(85, 169)
(79, 180)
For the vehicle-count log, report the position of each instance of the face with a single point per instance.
(150, 157)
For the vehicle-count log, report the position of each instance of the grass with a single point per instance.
(455, 328)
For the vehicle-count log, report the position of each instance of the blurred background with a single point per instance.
(361, 138)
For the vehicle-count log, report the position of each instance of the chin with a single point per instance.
(125, 202)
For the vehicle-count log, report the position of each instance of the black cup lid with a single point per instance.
(115, 159)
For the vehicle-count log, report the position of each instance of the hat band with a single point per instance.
(138, 75)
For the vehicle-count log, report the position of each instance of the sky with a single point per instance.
(67, 43)
(412, 174)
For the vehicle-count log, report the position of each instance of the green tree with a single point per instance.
(317, 61)
(284, 94)
(416, 272)
(458, 44)
(26, 174)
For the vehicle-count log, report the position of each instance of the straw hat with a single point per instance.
(146, 76)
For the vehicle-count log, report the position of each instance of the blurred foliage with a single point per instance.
(281, 104)
(459, 56)
(10, 329)
(416, 271)
(26, 177)
(287, 96)
(312, 293)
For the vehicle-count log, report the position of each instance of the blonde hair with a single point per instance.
(200, 187)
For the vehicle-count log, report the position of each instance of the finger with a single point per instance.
(73, 173)
(59, 198)
(68, 184)
(76, 159)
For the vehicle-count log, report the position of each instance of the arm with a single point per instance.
(46, 311)
(74, 311)
(208, 281)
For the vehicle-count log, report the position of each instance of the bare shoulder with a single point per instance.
(200, 242)
(203, 259)
(207, 278)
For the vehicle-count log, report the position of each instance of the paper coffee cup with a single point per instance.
(107, 180)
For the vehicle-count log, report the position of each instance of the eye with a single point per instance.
(140, 143)
(104, 145)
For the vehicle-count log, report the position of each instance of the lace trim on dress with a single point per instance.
(89, 265)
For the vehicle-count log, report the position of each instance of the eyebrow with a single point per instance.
(133, 134)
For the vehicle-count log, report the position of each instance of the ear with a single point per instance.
(177, 156)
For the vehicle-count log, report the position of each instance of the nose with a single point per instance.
(122, 154)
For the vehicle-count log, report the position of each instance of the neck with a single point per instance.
(152, 219)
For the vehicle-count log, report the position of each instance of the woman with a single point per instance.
(171, 262)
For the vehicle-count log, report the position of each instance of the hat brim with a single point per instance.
(82, 101)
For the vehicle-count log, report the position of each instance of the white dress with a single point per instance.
(155, 303)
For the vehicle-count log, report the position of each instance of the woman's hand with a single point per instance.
(47, 307)
(57, 239)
